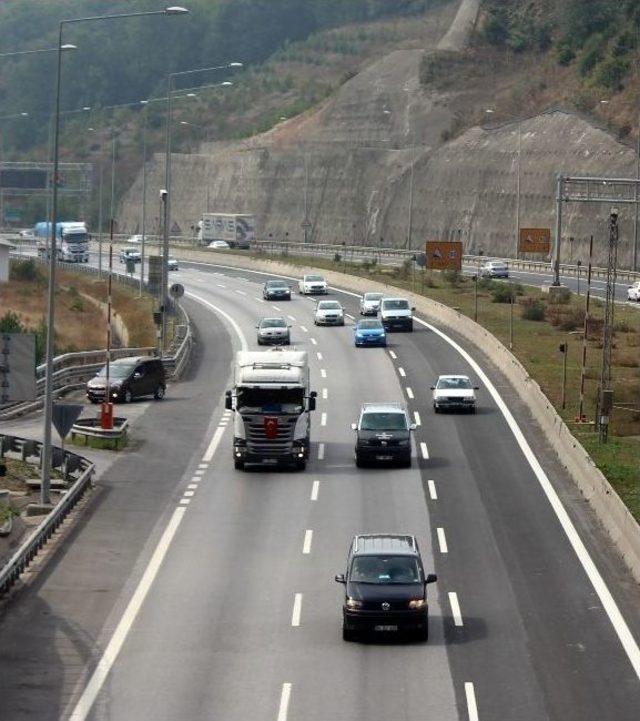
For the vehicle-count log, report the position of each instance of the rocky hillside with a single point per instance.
(387, 160)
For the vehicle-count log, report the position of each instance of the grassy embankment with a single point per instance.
(536, 344)
(80, 324)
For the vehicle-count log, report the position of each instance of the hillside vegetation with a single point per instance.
(583, 54)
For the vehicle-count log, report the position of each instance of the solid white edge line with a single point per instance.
(455, 608)
(315, 489)
(424, 450)
(285, 696)
(410, 393)
(297, 610)
(99, 675)
(308, 538)
(225, 315)
(472, 706)
(611, 607)
(433, 493)
(442, 540)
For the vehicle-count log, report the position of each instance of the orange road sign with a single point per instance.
(535, 240)
(444, 255)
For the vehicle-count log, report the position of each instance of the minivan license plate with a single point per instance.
(385, 628)
(384, 458)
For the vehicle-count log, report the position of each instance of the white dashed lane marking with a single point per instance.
(285, 696)
(306, 544)
(442, 540)
(313, 341)
(410, 393)
(320, 451)
(325, 393)
(455, 608)
(424, 450)
(401, 372)
(319, 355)
(433, 493)
(472, 706)
(393, 355)
(315, 489)
(297, 610)
(323, 419)
(416, 417)
(303, 328)
(323, 373)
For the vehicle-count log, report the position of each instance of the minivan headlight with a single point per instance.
(353, 603)
(417, 603)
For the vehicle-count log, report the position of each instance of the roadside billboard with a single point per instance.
(444, 255)
(535, 240)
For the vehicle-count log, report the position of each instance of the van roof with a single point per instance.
(388, 543)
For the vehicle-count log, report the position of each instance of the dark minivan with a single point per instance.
(385, 587)
(129, 378)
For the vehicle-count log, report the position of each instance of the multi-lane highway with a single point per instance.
(193, 591)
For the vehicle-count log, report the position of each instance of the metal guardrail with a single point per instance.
(21, 559)
(72, 370)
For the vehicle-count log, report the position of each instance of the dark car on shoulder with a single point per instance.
(385, 587)
(276, 290)
(383, 435)
(129, 378)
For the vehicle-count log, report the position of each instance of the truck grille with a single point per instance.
(260, 445)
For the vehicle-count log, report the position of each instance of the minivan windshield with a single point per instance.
(383, 422)
(117, 370)
(385, 570)
(396, 304)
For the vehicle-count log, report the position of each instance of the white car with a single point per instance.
(495, 269)
(312, 285)
(27, 234)
(328, 312)
(633, 292)
(370, 303)
(219, 245)
(135, 239)
(130, 254)
(453, 392)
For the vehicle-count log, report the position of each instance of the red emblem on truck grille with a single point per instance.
(271, 427)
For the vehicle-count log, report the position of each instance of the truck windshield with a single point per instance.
(270, 400)
(74, 237)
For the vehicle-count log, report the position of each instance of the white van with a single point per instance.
(396, 314)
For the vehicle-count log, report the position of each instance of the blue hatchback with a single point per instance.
(370, 332)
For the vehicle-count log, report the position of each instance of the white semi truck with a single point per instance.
(72, 241)
(272, 401)
(237, 230)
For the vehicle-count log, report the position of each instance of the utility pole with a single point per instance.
(410, 218)
(607, 342)
(583, 369)
(518, 188)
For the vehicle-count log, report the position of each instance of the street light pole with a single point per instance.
(49, 346)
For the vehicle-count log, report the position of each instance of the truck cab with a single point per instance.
(272, 402)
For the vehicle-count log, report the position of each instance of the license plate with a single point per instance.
(384, 458)
(385, 628)
(269, 461)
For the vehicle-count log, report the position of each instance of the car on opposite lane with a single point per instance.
(385, 587)
(129, 378)
(312, 285)
(370, 303)
(328, 312)
(130, 254)
(383, 435)
(273, 331)
(495, 269)
(454, 392)
(219, 245)
(276, 290)
(369, 332)
(633, 291)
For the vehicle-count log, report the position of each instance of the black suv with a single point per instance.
(383, 434)
(129, 378)
(276, 290)
(385, 587)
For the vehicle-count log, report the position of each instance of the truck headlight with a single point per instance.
(417, 603)
(353, 603)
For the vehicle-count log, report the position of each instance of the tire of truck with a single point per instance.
(238, 465)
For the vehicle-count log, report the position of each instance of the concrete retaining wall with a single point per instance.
(610, 510)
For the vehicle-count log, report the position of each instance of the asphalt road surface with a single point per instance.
(194, 591)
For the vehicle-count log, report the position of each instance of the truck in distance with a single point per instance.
(272, 401)
(238, 230)
(72, 241)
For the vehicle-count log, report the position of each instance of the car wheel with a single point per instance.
(422, 634)
(238, 465)
(348, 634)
(159, 394)
(128, 397)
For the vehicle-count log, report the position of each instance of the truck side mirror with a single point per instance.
(228, 401)
(312, 400)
